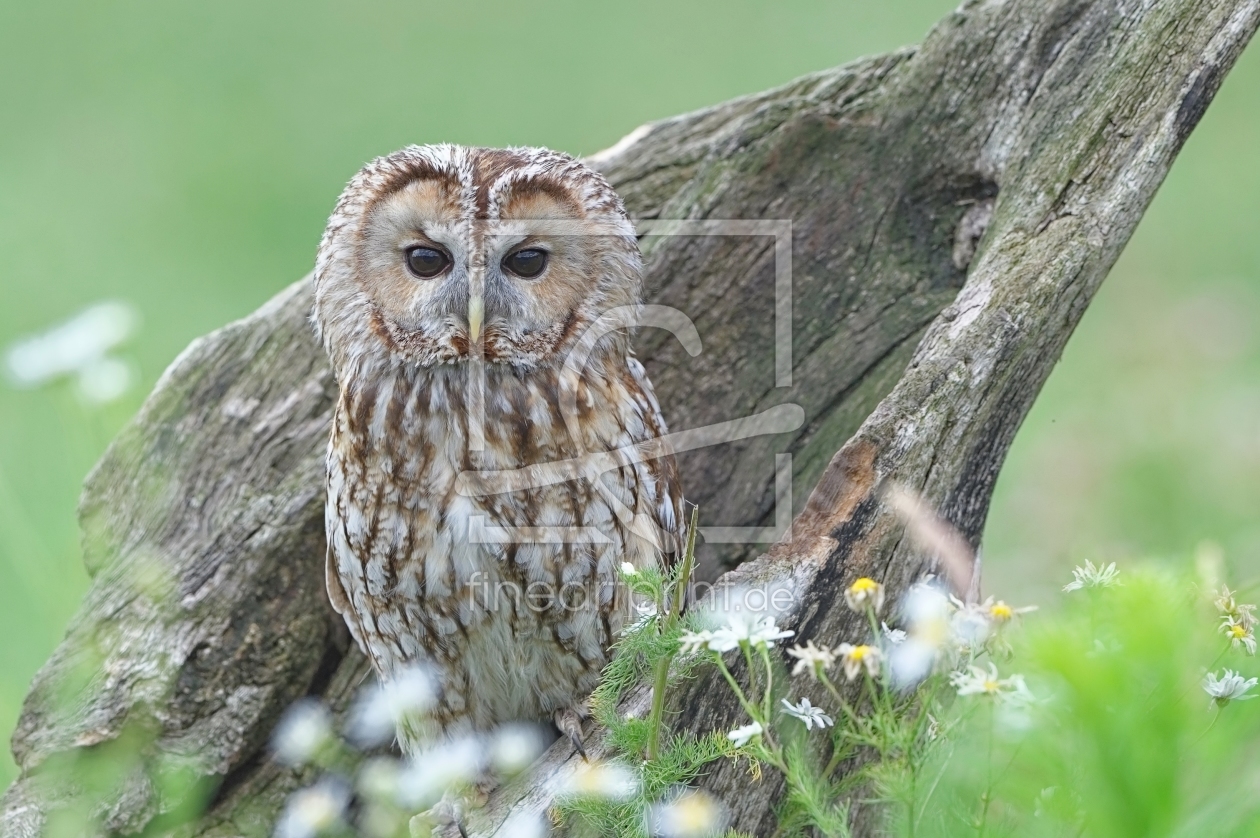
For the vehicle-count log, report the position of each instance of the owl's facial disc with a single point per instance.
(517, 273)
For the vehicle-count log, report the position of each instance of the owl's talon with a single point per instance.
(569, 721)
(577, 746)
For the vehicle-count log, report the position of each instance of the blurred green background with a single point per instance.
(184, 156)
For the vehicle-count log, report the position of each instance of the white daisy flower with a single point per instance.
(856, 658)
(812, 659)
(314, 811)
(1093, 577)
(895, 637)
(628, 569)
(975, 680)
(514, 747)
(741, 736)
(646, 614)
(910, 662)
(80, 347)
(106, 380)
(972, 624)
(435, 771)
(865, 593)
(1241, 614)
(809, 714)
(378, 778)
(1224, 601)
(999, 612)
(694, 641)
(1239, 634)
(607, 780)
(753, 630)
(1228, 687)
(766, 633)
(928, 611)
(404, 698)
(525, 825)
(303, 731)
(691, 814)
(969, 625)
(933, 731)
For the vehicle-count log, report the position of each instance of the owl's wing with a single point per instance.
(338, 552)
(340, 601)
(658, 486)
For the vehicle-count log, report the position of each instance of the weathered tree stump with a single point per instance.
(953, 209)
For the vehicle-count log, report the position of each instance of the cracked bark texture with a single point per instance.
(954, 207)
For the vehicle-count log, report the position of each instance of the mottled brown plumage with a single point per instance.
(512, 597)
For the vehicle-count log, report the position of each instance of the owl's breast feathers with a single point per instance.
(511, 596)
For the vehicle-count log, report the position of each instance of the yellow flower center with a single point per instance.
(991, 686)
(694, 814)
(865, 585)
(1001, 612)
(860, 652)
(1237, 632)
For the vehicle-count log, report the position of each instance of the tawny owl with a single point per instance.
(477, 306)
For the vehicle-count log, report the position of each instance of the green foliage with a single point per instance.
(1123, 740)
(1108, 732)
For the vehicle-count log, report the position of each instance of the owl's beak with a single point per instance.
(476, 310)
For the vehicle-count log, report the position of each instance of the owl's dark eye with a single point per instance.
(426, 262)
(527, 263)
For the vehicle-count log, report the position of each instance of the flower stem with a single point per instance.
(1209, 727)
(1186, 691)
(669, 619)
(988, 791)
(659, 683)
(751, 709)
(844, 705)
(765, 656)
(688, 561)
(752, 672)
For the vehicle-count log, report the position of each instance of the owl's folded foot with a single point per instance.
(569, 721)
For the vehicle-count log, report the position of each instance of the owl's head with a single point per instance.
(435, 254)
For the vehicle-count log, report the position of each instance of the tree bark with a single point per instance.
(953, 209)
